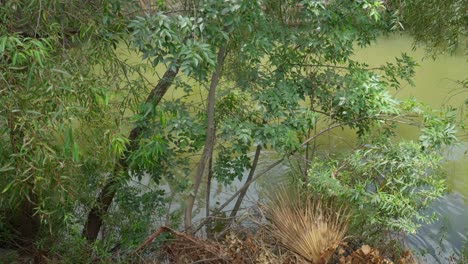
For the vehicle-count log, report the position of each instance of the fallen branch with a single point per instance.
(152, 237)
(159, 232)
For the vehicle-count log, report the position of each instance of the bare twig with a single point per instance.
(334, 66)
(249, 177)
(151, 238)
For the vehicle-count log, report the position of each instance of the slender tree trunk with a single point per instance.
(104, 200)
(208, 186)
(241, 196)
(210, 138)
(230, 199)
(309, 157)
(242, 193)
(29, 222)
(208, 194)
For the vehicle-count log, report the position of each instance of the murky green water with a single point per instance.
(435, 84)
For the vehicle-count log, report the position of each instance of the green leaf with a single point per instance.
(8, 186)
(3, 41)
(6, 168)
(75, 152)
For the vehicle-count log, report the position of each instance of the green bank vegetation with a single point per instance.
(79, 124)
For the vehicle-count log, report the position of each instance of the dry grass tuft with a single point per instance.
(309, 227)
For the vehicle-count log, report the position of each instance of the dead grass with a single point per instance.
(311, 228)
(185, 249)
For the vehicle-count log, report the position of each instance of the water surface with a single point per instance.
(435, 84)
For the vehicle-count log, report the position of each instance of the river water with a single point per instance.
(435, 84)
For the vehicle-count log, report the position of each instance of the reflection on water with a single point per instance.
(440, 241)
(457, 169)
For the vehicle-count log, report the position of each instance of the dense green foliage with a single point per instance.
(68, 102)
(440, 26)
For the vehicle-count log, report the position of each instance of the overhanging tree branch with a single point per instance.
(104, 200)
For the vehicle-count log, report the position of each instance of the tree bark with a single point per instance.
(208, 194)
(104, 200)
(209, 142)
(29, 221)
(308, 156)
(241, 196)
